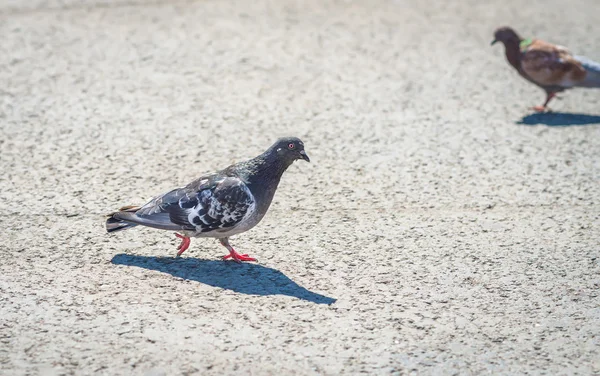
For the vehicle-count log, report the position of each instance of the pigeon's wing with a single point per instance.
(550, 65)
(223, 207)
(211, 203)
(165, 211)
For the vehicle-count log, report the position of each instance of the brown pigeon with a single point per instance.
(549, 66)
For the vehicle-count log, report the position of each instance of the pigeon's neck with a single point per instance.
(513, 54)
(262, 175)
(267, 169)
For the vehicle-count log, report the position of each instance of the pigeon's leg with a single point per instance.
(232, 253)
(544, 107)
(185, 243)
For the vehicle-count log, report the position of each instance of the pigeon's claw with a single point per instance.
(237, 257)
(544, 107)
(185, 243)
(229, 256)
(233, 254)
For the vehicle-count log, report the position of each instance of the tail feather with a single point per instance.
(113, 223)
(126, 218)
(592, 78)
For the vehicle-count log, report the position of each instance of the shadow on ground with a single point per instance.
(559, 119)
(245, 278)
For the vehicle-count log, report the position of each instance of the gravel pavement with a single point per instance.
(441, 228)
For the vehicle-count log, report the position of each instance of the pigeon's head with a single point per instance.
(290, 149)
(506, 35)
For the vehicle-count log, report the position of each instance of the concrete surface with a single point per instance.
(441, 229)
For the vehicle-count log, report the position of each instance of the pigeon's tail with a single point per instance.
(592, 78)
(114, 223)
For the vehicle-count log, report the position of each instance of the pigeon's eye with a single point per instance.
(291, 146)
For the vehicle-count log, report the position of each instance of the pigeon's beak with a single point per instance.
(304, 156)
(493, 42)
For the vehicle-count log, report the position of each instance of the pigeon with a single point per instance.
(549, 66)
(216, 205)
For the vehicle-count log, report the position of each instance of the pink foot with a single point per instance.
(185, 243)
(539, 108)
(237, 257)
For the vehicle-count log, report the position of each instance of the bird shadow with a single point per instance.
(244, 278)
(559, 119)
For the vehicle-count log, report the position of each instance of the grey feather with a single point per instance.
(160, 221)
(220, 204)
(592, 79)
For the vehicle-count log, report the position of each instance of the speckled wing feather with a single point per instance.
(550, 65)
(211, 203)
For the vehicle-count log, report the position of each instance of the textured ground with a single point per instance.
(439, 229)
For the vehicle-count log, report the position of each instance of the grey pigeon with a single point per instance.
(217, 205)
